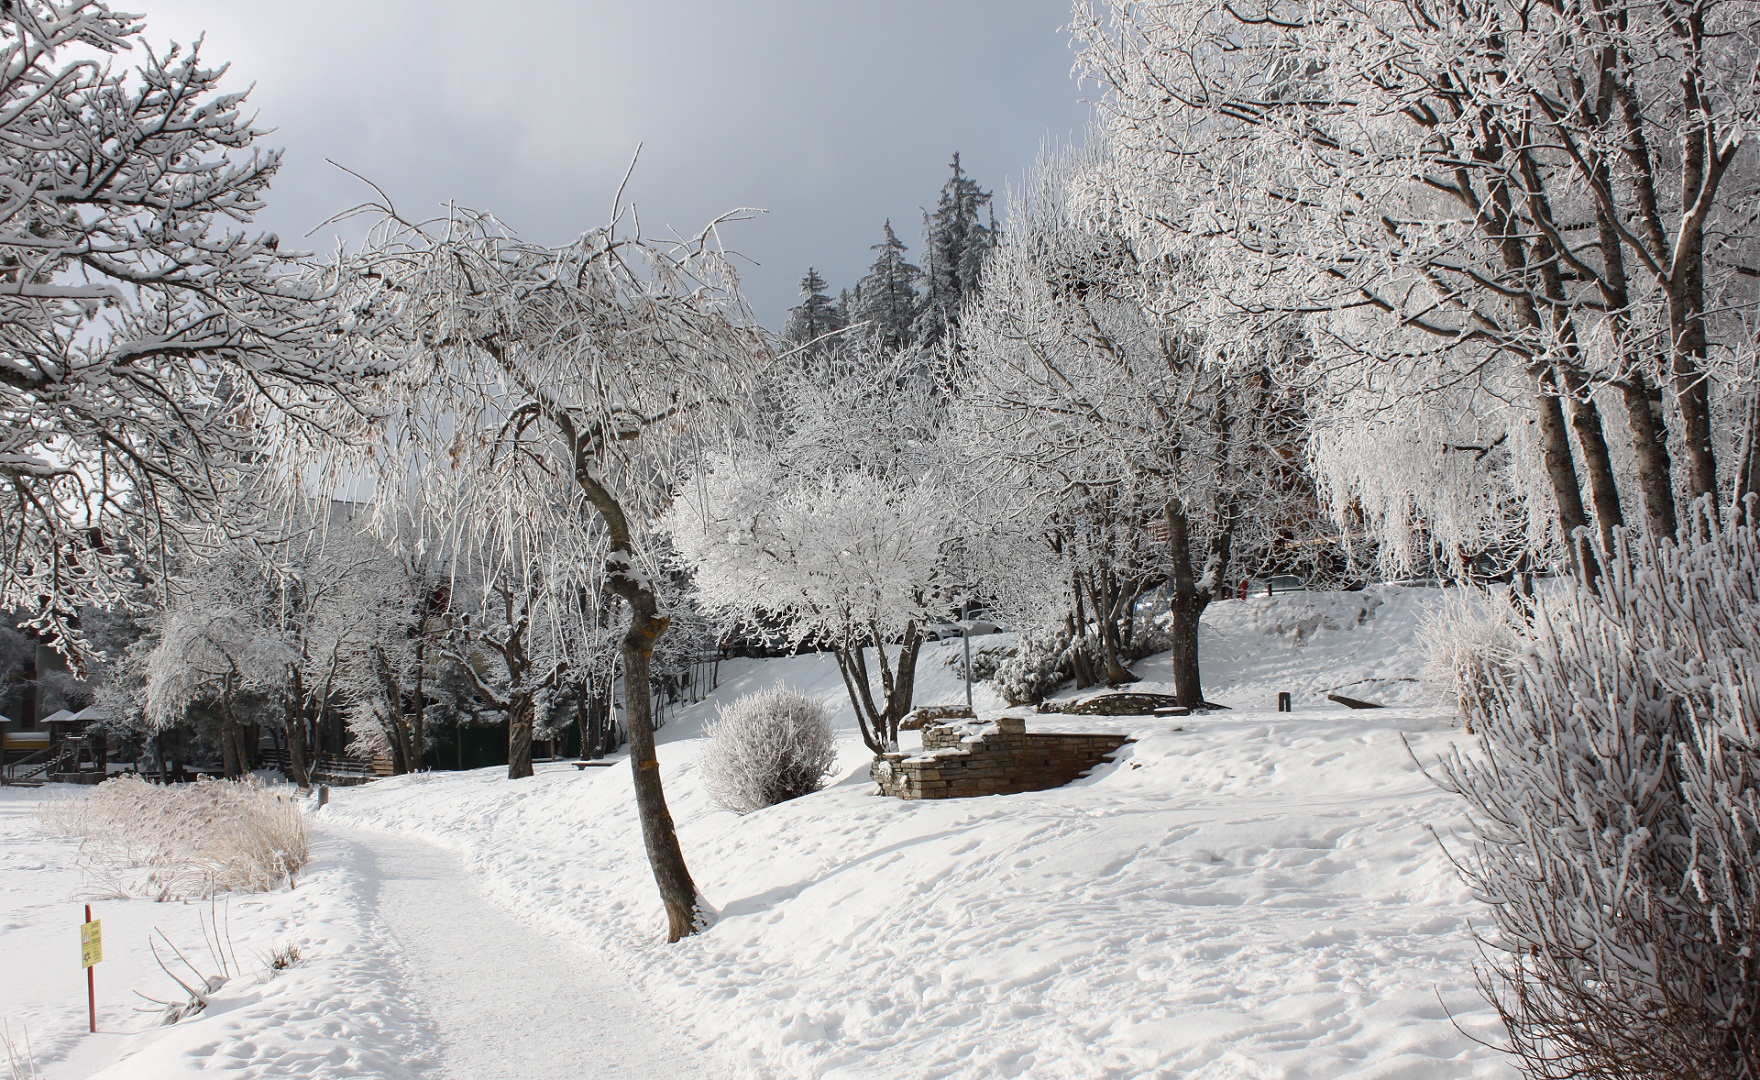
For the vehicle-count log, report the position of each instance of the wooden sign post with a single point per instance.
(91, 950)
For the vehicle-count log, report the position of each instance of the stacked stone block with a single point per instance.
(961, 759)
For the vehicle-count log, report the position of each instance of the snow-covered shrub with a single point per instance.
(768, 747)
(184, 841)
(1615, 789)
(985, 661)
(1148, 637)
(1469, 639)
(1039, 664)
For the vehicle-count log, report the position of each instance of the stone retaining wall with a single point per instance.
(964, 758)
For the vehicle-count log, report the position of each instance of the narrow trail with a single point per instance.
(510, 1002)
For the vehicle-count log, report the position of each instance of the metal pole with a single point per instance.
(91, 987)
(967, 638)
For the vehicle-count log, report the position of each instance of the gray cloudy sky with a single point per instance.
(832, 115)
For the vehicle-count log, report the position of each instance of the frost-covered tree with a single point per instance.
(1111, 426)
(214, 646)
(957, 237)
(844, 529)
(305, 615)
(144, 334)
(551, 390)
(817, 316)
(517, 641)
(1499, 220)
(886, 297)
(1615, 786)
(850, 558)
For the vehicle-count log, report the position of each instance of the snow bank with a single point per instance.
(1241, 894)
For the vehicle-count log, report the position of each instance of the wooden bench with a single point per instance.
(585, 765)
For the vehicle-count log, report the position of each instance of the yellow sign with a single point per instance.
(91, 942)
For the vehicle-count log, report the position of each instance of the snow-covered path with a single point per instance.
(509, 1001)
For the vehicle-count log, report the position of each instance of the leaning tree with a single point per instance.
(546, 391)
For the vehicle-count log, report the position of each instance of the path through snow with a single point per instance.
(508, 1000)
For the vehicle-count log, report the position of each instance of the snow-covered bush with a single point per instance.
(1047, 657)
(184, 841)
(1616, 793)
(767, 748)
(985, 661)
(1039, 664)
(1469, 639)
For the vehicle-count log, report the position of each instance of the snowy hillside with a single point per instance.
(1241, 894)
(1245, 893)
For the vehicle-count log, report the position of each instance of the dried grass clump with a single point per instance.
(185, 841)
(1467, 645)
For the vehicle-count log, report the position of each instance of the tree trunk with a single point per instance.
(660, 836)
(1188, 685)
(1186, 608)
(879, 721)
(1597, 462)
(418, 722)
(1650, 442)
(298, 770)
(1748, 455)
(899, 701)
(519, 737)
(231, 764)
(1555, 451)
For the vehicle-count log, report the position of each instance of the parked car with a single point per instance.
(944, 630)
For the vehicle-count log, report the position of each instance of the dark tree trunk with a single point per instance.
(659, 835)
(1186, 608)
(1597, 462)
(1561, 471)
(418, 721)
(879, 720)
(519, 737)
(1650, 442)
(231, 743)
(298, 768)
(1748, 454)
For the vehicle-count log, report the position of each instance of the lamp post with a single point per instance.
(965, 626)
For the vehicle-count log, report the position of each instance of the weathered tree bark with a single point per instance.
(685, 914)
(418, 721)
(1561, 471)
(1748, 454)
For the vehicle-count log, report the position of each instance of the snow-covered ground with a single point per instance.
(1242, 894)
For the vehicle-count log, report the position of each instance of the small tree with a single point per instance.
(1616, 791)
(767, 748)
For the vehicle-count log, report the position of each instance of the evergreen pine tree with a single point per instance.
(887, 299)
(958, 237)
(816, 316)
